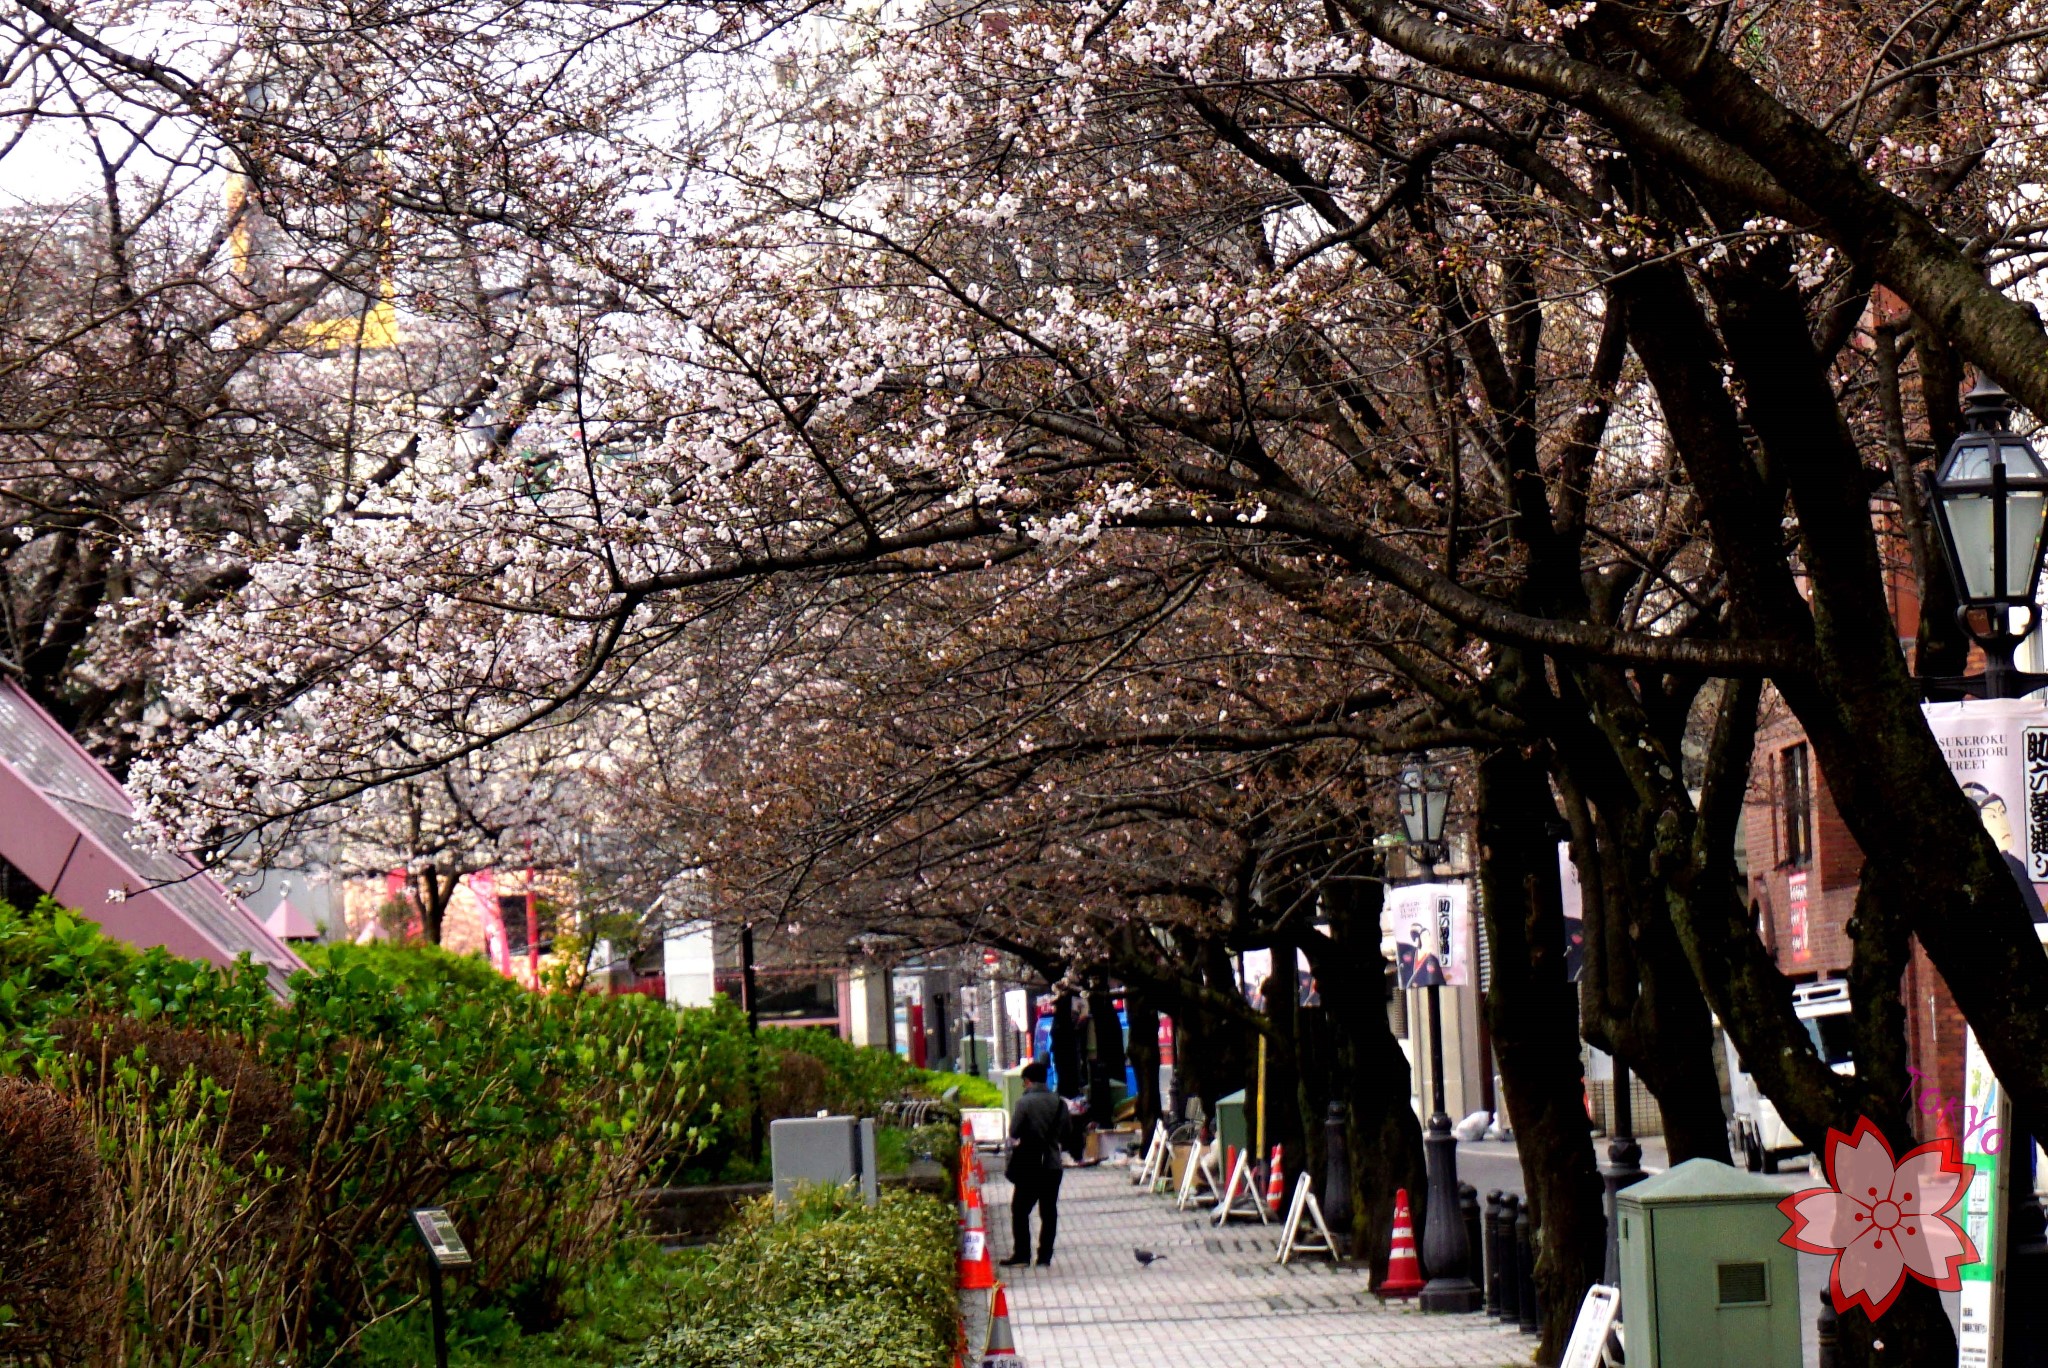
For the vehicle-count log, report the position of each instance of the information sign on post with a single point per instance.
(443, 1243)
(445, 1249)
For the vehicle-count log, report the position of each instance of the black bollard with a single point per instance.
(1336, 1193)
(1830, 1336)
(1475, 1240)
(1525, 1266)
(1491, 1222)
(1510, 1263)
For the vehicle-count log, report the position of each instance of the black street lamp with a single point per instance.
(1990, 496)
(1423, 795)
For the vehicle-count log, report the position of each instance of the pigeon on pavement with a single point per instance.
(1145, 1257)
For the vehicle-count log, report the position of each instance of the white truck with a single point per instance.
(1756, 1133)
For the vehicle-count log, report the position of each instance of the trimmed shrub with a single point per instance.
(860, 1078)
(856, 1336)
(974, 1091)
(256, 1123)
(832, 1282)
(50, 1273)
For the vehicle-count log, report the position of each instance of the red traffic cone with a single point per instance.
(1404, 1270)
(1944, 1131)
(1276, 1183)
(977, 1269)
(1002, 1344)
(970, 1158)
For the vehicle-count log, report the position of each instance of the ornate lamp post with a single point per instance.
(1423, 795)
(1990, 496)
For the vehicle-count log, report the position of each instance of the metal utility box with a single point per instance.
(1705, 1282)
(823, 1149)
(1011, 1081)
(1230, 1125)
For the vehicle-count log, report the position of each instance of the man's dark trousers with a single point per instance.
(1039, 1188)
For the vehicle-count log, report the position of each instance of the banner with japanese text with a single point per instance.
(1430, 925)
(1998, 751)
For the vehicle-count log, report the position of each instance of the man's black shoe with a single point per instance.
(1015, 1261)
(1043, 1263)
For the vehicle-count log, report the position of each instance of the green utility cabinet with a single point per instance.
(1230, 1124)
(1705, 1282)
(1011, 1081)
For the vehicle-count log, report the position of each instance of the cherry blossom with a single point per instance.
(1883, 1220)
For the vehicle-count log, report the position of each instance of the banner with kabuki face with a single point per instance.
(1998, 751)
(1430, 925)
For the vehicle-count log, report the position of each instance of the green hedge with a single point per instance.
(399, 1076)
(831, 1284)
(410, 1077)
(974, 1092)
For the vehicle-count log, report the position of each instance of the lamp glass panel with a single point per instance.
(1413, 822)
(2020, 461)
(1438, 802)
(1970, 459)
(1967, 514)
(2023, 525)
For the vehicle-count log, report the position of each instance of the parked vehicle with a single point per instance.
(1756, 1132)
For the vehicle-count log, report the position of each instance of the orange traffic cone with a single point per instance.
(977, 1269)
(1944, 1131)
(970, 1157)
(1404, 1270)
(1002, 1345)
(1276, 1183)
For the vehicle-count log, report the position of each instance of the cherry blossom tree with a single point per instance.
(1549, 357)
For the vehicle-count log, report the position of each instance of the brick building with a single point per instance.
(1803, 871)
(1804, 866)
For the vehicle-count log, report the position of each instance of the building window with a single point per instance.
(1795, 798)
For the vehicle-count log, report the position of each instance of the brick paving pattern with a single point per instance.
(1217, 1300)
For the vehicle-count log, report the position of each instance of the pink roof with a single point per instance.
(64, 823)
(287, 923)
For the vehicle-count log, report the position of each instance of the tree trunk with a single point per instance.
(1285, 1062)
(1640, 999)
(1066, 1046)
(1142, 1050)
(433, 893)
(1107, 1058)
(1372, 1075)
(1315, 1072)
(1533, 1013)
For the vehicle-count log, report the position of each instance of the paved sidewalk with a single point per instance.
(1217, 1300)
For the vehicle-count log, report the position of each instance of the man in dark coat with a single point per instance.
(1038, 1126)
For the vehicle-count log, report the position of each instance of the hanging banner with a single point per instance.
(1795, 918)
(1985, 1113)
(1430, 925)
(1998, 751)
(1017, 1008)
(1574, 913)
(1254, 967)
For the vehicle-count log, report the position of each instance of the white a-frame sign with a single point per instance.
(1305, 1231)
